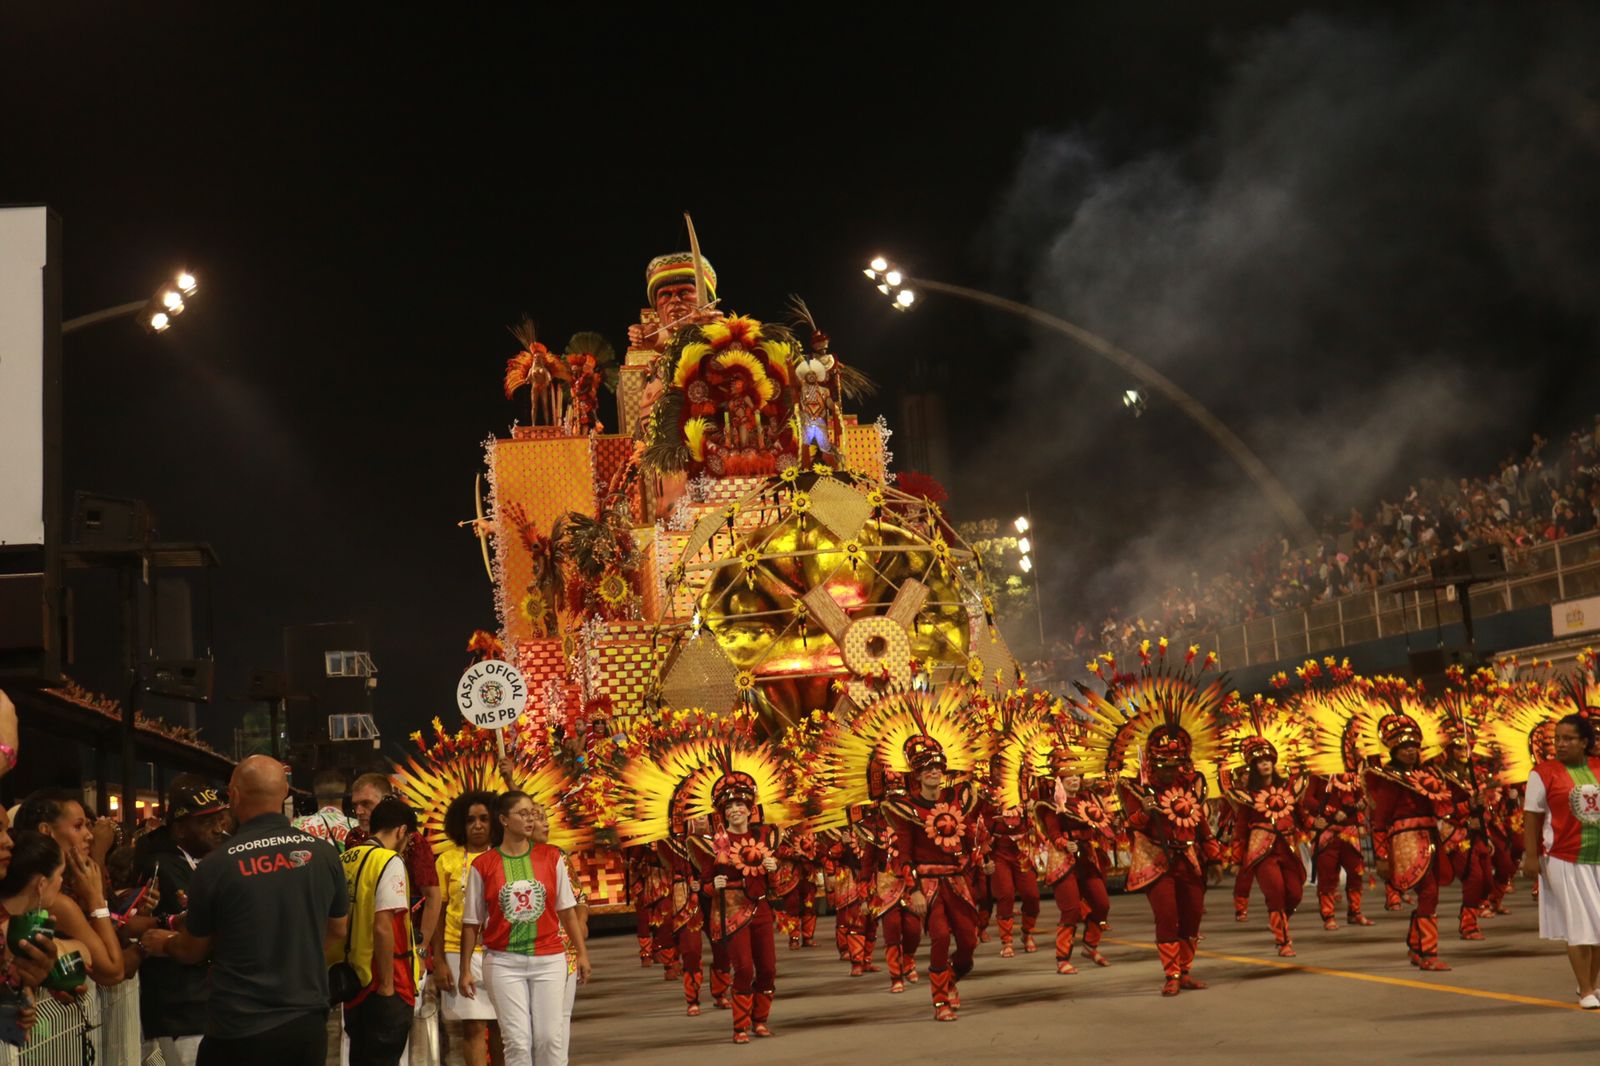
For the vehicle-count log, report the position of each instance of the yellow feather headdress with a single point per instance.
(1117, 726)
(1283, 726)
(677, 780)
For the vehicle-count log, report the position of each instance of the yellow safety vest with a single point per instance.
(363, 867)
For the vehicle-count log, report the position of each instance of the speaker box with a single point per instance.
(179, 679)
(109, 522)
(1430, 664)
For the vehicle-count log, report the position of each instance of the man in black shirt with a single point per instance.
(172, 997)
(260, 908)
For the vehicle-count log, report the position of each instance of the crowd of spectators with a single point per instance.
(1544, 495)
(223, 934)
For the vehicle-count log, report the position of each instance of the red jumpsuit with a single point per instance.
(1076, 875)
(1013, 875)
(651, 885)
(1234, 837)
(935, 849)
(1171, 845)
(1505, 834)
(1267, 818)
(741, 918)
(1468, 846)
(1405, 809)
(884, 894)
(795, 884)
(1337, 801)
(682, 921)
(842, 861)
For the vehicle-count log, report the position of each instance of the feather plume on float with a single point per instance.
(694, 436)
(589, 342)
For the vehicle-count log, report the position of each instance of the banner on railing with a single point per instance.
(1575, 616)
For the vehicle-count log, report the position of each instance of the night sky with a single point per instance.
(370, 198)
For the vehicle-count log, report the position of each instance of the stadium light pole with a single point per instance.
(158, 311)
(904, 293)
(1028, 562)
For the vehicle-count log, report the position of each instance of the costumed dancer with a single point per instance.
(1237, 839)
(1010, 871)
(735, 783)
(1336, 809)
(887, 894)
(1335, 802)
(1266, 807)
(682, 920)
(854, 932)
(1466, 844)
(931, 825)
(1406, 801)
(795, 887)
(1156, 733)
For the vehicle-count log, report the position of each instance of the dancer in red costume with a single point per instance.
(1011, 874)
(1235, 839)
(795, 887)
(1266, 808)
(1406, 801)
(1336, 810)
(855, 934)
(683, 921)
(734, 873)
(1467, 844)
(1077, 830)
(886, 899)
(934, 847)
(1163, 725)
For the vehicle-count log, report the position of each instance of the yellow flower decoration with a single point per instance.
(614, 589)
(731, 511)
(790, 473)
(875, 497)
(799, 503)
(823, 468)
(975, 669)
(532, 606)
(852, 551)
(744, 681)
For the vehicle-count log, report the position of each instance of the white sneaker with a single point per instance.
(1589, 1002)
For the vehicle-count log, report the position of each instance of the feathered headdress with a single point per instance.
(1268, 729)
(1165, 713)
(891, 736)
(1520, 733)
(467, 761)
(680, 779)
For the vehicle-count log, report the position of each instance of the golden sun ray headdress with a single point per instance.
(894, 735)
(1267, 728)
(1164, 712)
(691, 774)
(466, 761)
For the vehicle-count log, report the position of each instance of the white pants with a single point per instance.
(175, 1050)
(532, 1002)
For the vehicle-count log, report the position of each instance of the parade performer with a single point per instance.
(1407, 800)
(1010, 870)
(1467, 844)
(887, 896)
(1336, 810)
(1035, 764)
(916, 737)
(795, 887)
(700, 765)
(1335, 801)
(1266, 807)
(1156, 734)
(682, 921)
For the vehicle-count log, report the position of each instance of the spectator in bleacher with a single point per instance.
(329, 821)
(261, 909)
(81, 911)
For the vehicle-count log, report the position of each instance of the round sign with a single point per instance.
(492, 694)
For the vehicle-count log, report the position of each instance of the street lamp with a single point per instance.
(905, 291)
(1022, 524)
(156, 313)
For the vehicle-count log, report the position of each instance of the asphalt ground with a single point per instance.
(1349, 997)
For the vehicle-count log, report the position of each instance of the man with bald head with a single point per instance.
(261, 906)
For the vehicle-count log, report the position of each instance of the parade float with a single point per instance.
(735, 547)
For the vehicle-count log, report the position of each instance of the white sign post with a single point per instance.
(492, 694)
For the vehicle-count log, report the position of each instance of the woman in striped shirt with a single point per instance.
(519, 899)
(1561, 828)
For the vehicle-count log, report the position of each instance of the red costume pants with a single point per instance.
(1282, 878)
(902, 936)
(1177, 900)
(1340, 854)
(1012, 877)
(1474, 868)
(951, 917)
(751, 955)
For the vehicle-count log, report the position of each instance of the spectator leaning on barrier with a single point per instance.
(329, 822)
(172, 997)
(80, 911)
(365, 794)
(261, 908)
(379, 946)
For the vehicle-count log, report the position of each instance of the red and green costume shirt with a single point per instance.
(516, 900)
(1570, 796)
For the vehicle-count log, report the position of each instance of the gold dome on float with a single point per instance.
(829, 584)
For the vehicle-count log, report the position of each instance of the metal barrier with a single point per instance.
(1545, 573)
(111, 1016)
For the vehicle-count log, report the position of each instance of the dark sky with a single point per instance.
(370, 197)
